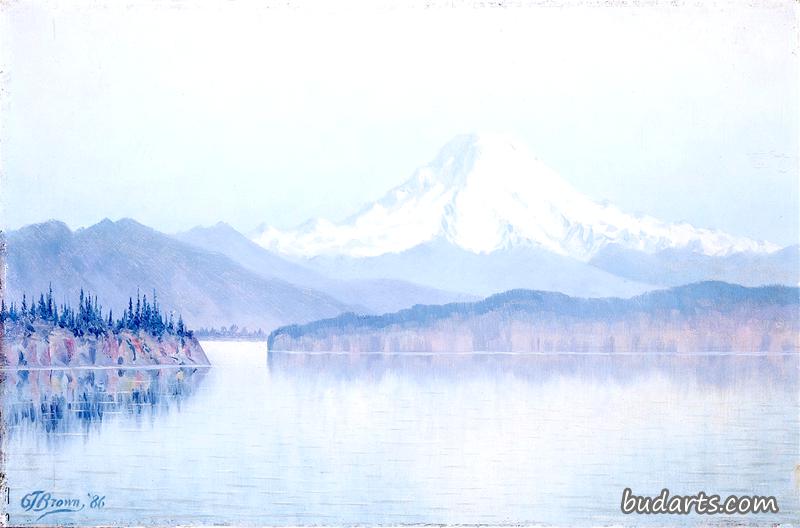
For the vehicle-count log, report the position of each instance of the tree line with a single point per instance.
(232, 332)
(89, 317)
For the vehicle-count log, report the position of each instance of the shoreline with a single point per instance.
(503, 353)
(96, 367)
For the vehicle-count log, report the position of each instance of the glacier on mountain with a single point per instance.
(485, 193)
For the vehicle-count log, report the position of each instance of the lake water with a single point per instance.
(325, 439)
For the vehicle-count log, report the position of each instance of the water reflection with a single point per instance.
(537, 439)
(712, 371)
(330, 439)
(72, 400)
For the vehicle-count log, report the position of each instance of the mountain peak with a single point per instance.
(456, 159)
(487, 192)
(121, 225)
(50, 229)
(219, 227)
(481, 141)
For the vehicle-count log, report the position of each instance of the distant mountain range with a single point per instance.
(375, 294)
(701, 317)
(443, 265)
(673, 267)
(486, 215)
(212, 276)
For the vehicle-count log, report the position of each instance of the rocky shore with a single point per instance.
(20, 347)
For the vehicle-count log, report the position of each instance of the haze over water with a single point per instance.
(335, 439)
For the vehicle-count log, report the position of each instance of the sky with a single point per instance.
(181, 114)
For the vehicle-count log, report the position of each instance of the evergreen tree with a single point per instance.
(88, 318)
(42, 307)
(137, 317)
(50, 306)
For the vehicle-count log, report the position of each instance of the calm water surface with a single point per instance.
(403, 439)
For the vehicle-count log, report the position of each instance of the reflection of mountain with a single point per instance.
(486, 216)
(708, 316)
(60, 401)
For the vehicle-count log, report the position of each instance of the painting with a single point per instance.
(458, 263)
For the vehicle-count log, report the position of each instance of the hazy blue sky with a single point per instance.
(187, 115)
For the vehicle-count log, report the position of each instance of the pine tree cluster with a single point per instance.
(89, 317)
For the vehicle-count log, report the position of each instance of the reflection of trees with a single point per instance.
(66, 400)
(721, 370)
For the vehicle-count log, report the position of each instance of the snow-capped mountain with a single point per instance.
(485, 193)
